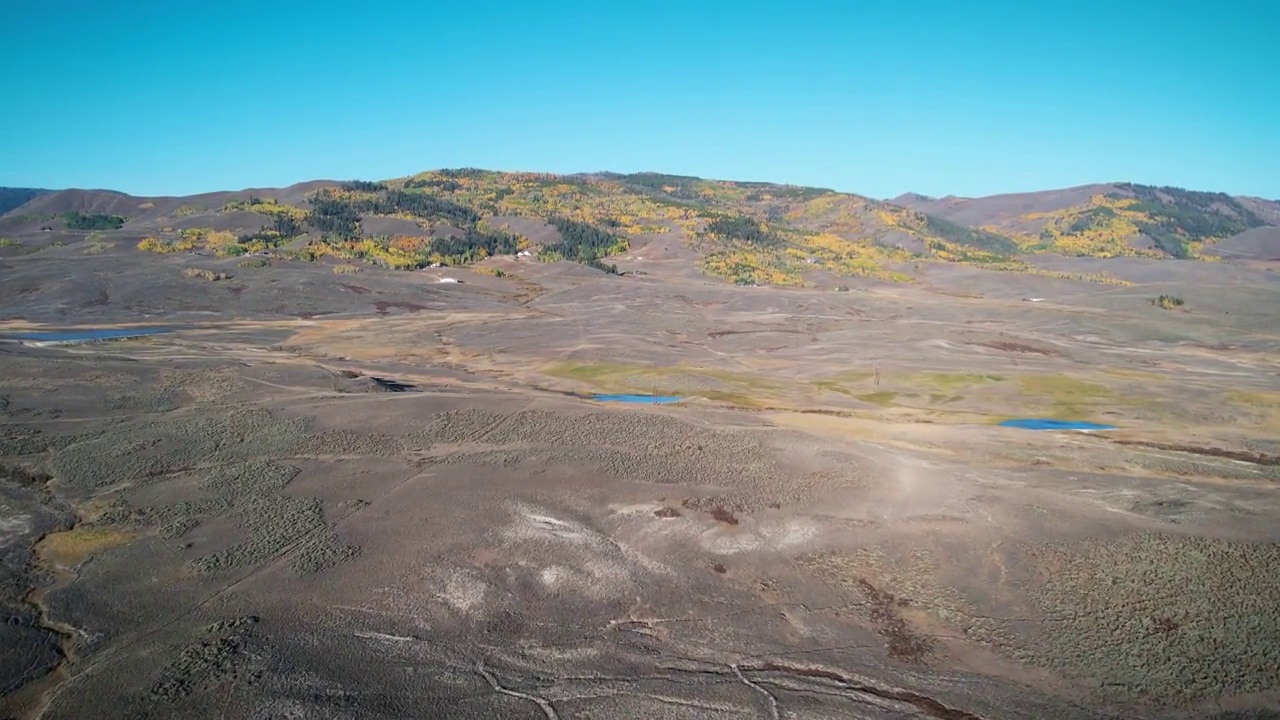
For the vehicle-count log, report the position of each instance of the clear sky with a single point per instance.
(961, 97)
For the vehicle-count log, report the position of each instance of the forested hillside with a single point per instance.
(1108, 220)
(746, 232)
(11, 198)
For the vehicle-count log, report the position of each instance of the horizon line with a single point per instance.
(638, 172)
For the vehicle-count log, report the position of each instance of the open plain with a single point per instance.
(380, 495)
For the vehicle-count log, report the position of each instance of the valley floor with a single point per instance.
(381, 496)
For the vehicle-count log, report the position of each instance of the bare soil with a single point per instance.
(390, 497)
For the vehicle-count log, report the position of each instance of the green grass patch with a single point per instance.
(731, 398)
(941, 387)
(954, 381)
(853, 376)
(72, 547)
(840, 382)
(1255, 398)
(595, 373)
(623, 376)
(883, 398)
(832, 386)
(1068, 397)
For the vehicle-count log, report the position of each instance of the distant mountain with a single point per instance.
(748, 232)
(1267, 210)
(51, 203)
(1111, 219)
(11, 198)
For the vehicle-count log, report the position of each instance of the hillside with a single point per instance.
(745, 232)
(1109, 220)
(11, 198)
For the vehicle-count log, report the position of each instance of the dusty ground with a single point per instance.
(377, 496)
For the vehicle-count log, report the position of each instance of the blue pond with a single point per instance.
(1046, 424)
(643, 399)
(86, 335)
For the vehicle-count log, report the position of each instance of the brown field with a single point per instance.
(375, 495)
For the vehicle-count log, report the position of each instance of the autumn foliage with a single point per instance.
(745, 232)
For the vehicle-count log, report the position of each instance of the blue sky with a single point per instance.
(877, 98)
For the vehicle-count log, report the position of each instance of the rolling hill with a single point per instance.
(745, 232)
(11, 198)
(1108, 220)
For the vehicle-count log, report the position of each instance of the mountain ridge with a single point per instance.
(1143, 217)
(748, 232)
(15, 197)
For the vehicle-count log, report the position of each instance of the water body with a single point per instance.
(641, 399)
(84, 335)
(1047, 424)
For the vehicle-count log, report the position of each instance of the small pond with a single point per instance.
(641, 399)
(84, 335)
(1047, 424)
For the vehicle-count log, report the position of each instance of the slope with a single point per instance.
(807, 227)
(1261, 243)
(747, 232)
(11, 198)
(1107, 220)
